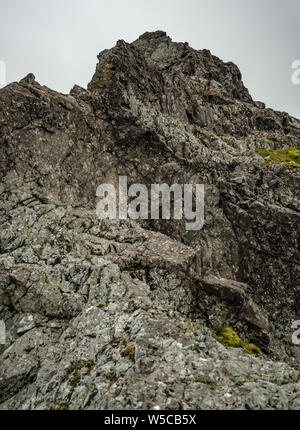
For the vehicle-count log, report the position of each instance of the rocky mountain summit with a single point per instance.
(112, 314)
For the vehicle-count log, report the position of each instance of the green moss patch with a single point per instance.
(197, 133)
(229, 338)
(129, 352)
(240, 383)
(209, 382)
(272, 138)
(290, 157)
(85, 367)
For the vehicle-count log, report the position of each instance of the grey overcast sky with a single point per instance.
(59, 40)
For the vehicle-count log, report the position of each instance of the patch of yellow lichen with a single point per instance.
(290, 157)
(229, 338)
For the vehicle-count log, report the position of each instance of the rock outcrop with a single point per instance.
(118, 314)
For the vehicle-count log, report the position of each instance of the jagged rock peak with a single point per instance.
(173, 79)
(155, 51)
(29, 79)
(150, 35)
(154, 34)
(141, 314)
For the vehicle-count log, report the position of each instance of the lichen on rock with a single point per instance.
(229, 338)
(122, 314)
(290, 157)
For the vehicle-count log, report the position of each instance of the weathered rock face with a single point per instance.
(117, 315)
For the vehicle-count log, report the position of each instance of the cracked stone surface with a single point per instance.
(118, 314)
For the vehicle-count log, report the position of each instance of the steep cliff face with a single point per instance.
(118, 314)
